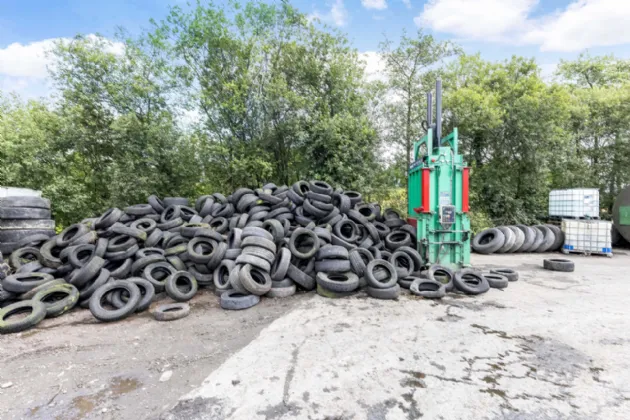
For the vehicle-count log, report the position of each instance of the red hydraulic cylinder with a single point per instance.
(426, 190)
(465, 205)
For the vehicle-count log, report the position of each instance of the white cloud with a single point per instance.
(338, 15)
(407, 3)
(24, 67)
(374, 4)
(374, 66)
(582, 24)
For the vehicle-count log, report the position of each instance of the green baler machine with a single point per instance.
(438, 194)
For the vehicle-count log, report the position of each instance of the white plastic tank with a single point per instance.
(587, 236)
(575, 203)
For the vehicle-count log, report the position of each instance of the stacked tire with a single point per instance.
(518, 239)
(21, 217)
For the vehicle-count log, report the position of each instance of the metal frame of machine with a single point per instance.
(438, 194)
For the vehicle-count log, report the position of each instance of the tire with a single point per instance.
(307, 282)
(80, 255)
(29, 295)
(539, 239)
(23, 213)
(18, 236)
(257, 262)
(171, 311)
(281, 265)
(332, 266)
(28, 238)
(30, 225)
(105, 315)
(403, 263)
(397, 239)
(556, 264)
(406, 282)
(119, 269)
(25, 201)
(510, 274)
(559, 241)
(254, 280)
(510, 239)
(221, 275)
(530, 237)
(338, 282)
(519, 239)
(57, 307)
(88, 290)
(471, 282)
(384, 283)
(235, 280)
(323, 292)
(173, 289)
(175, 201)
(23, 256)
(256, 231)
(37, 314)
(359, 259)
(415, 256)
(379, 293)
(23, 282)
(298, 237)
(428, 288)
(488, 241)
(329, 252)
(89, 271)
(259, 242)
(496, 281)
(438, 272)
(281, 292)
(234, 300)
(166, 271)
(548, 238)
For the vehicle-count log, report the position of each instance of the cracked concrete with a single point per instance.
(550, 346)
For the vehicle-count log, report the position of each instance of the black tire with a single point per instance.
(23, 282)
(510, 274)
(171, 311)
(37, 313)
(406, 282)
(23, 213)
(496, 281)
(428, 288)
(258, 262)
(80, 277)
(256, 231)
(254, 280)
(29, 295)
(22, 236)
(538, 240)
(259, 242)
(175, 201)
(379, 293)
(119, 269)
(415, 256)
(31, 225)
(34, 240)
(519, 239)
(105, 315)
(403, 263)
(530, 237)
(488, 241)
(332, 266)
(80, 255)
(471, 282)
(221, 275)
(281, 292)
(323, 292)
(510, 239)
(320, 187)
(301, 278)
(442, 275)
(25, 201)
(281, 265)
(234, 300)
(559, 238)
(338, 282)
(178, 292)
(23, 256)
(329, 252)
(157, 273)
(397, 239)
(88, 290)
(303, 238)
(548, 238)
(557, 264)
(386, 282)
(55, 305)
(359, 259)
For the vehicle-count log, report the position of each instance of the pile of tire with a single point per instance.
(519, 238)
(268, 242)
(21, 217)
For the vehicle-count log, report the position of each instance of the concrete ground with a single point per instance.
(550, 346)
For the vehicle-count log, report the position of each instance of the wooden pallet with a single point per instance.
(587, 253)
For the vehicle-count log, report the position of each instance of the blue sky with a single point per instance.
(548, 30)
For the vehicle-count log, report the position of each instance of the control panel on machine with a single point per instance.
(447, 215)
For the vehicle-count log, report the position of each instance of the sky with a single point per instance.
(548, 30)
